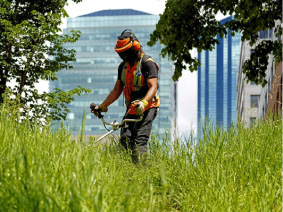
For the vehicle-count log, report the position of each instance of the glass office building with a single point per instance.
(217, 82)
(96, 67)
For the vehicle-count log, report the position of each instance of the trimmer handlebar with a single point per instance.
(97, 112)
(99, 115)
(116, 124)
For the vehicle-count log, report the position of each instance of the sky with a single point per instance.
(187, 84)
(88, 6)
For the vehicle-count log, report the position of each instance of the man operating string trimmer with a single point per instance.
(137, 78)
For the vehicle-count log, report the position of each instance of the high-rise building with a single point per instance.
(217, 82)
(96, 67)
(254, 101)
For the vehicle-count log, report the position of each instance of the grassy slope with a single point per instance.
(237, 171)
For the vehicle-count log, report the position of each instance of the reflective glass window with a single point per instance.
(254, 101)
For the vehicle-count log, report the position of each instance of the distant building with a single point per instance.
(254, 101)
(248, 93)
(96, 67)
(217, 82)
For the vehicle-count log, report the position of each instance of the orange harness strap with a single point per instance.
(130, 73)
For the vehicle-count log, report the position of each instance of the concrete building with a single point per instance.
(217, 82)
(96, 67)
(254, 101)
(248, 94)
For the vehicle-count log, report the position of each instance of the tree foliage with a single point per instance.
(31, 49)
(188, 24)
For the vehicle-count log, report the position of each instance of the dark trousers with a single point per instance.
(135, 135)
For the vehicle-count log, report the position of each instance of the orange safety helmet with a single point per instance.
(126, 40)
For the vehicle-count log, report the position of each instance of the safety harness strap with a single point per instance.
(133, 81)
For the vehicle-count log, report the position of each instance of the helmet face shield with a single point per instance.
(123, 45)
(130, 55)
(123, 55)
(127, 46)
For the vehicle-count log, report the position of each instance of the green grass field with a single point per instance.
(239, 170)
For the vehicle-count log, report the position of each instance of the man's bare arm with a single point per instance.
(152, 85)
(114, 94)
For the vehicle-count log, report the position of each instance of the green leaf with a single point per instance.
(180, 31)
(29, 32)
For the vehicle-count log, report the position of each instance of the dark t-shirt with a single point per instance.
(148, 69)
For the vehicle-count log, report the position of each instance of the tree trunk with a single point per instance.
(3, 84)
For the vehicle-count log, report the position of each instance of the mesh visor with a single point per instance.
(123, 45)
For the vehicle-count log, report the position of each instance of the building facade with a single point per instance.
(254, 101)
(96, 67)
(217, 82)
(248, 92)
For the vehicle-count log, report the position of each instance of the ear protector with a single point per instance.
(126, 40)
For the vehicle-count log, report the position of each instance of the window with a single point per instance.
(254, 101)
(270, 33)
(71, 116)
(263, 34)
(253, 83)
(252, 51)
(252, 120)
(263, 111)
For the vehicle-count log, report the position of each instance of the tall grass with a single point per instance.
(239, 170)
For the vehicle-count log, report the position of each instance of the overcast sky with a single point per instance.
(88, 6)
(187, 85)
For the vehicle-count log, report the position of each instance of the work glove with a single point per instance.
(140, 105)
(95, 109)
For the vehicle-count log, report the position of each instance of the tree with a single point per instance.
(31, 49)
(188, 24)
